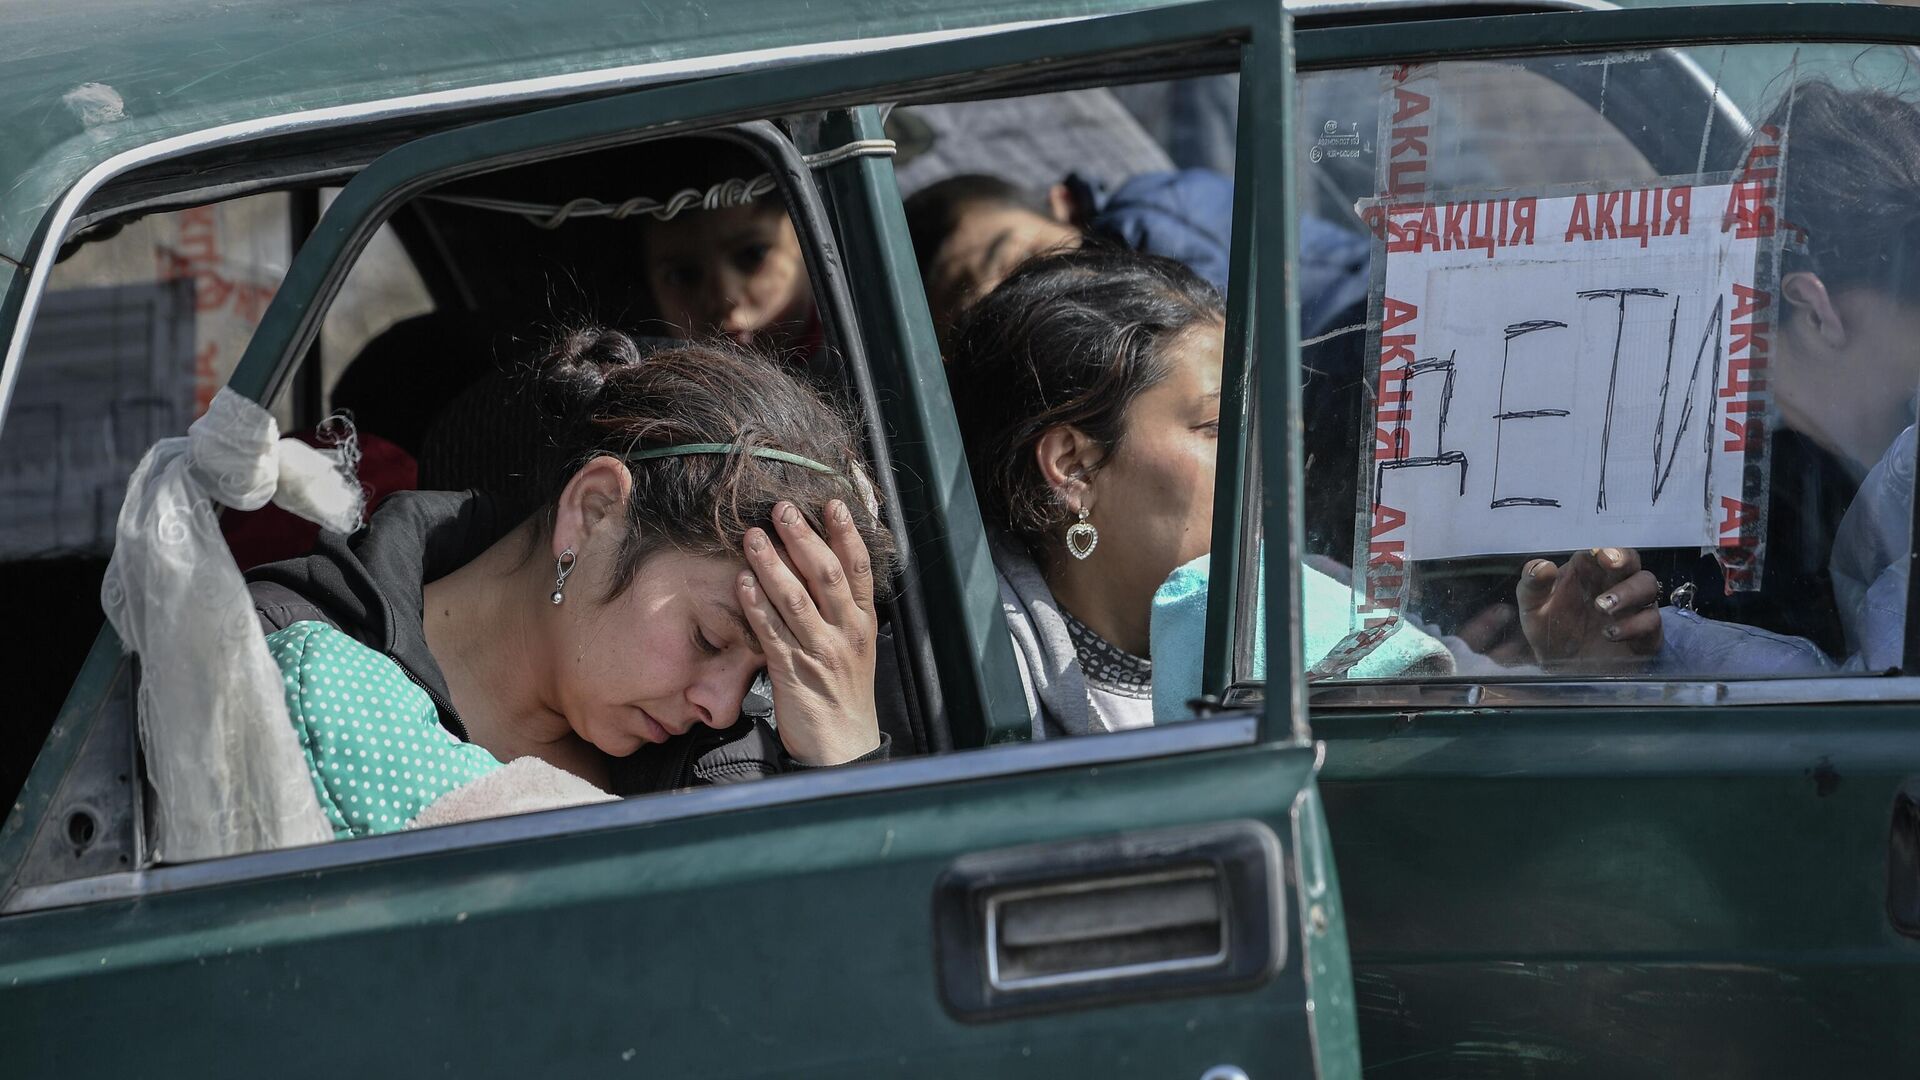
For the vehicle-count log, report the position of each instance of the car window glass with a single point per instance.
(516, 257)
(1075, 250)
(385, 289)
(471, 282)
(634, 263)
(142, 322)
(1583, 419)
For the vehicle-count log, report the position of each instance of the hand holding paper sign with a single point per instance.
(1598, 612)
(1596, 371)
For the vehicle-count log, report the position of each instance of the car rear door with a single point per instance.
(1151, 903)
(1692, 872)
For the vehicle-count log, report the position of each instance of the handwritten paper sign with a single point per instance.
(1557, 372)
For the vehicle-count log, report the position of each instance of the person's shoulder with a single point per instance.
(278, 606)
(318, 640)
(375, 748)
(1197, 198)
(330, 676)
(1897, 464)
(1175, 183)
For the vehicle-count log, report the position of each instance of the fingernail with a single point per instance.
(1607, 602)
(1613, 556)
(756, 540)
(748, 582)
(1533, 568)
(838, 511)
(789, 513)
(1610, 633)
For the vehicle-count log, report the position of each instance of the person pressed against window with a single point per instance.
(1842, 372)
(699, 523)
(971, 231)
(1087, 387)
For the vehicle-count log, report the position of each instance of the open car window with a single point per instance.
(668, 245)
(508, 238)
(1578, 401)
(414, 359)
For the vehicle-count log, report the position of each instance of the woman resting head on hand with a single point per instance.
(702, 519)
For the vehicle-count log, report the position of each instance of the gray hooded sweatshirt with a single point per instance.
(1057, 691)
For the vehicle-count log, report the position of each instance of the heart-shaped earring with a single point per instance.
(1082, 537)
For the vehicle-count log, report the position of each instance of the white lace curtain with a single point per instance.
(226, 767)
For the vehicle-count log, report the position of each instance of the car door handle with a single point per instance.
(1093, 921)
(1106, 928)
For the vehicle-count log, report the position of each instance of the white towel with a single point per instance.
(522, 786)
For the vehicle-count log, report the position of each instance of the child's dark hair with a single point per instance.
(603, 395)
(1852, 182)
(1069, 338)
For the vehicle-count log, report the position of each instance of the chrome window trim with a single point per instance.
(60, 221)
(1199, 736)
(1606, 693)
(187, 197)
(1355, 7)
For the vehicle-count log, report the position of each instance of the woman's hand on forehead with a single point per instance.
(811, 607)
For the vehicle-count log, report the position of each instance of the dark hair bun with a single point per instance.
(571, 374)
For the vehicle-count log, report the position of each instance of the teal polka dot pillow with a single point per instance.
(374, 745)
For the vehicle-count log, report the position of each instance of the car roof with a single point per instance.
(84, 81)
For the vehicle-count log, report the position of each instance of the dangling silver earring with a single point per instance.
(1082, 537)
(562, 566)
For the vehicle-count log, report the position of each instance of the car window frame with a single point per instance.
(1041, 57)
(118, 185)
(1499, 37)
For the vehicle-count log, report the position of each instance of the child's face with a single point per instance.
(988, 242)
(737, 271)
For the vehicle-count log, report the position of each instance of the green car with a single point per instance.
(1651, 857)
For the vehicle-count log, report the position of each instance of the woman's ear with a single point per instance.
(1067, 457)
(592, 504)
(1807, 297)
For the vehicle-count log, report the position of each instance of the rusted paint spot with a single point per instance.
(95, 104)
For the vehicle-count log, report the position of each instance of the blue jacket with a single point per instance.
(1869, 567)
(1188, 215)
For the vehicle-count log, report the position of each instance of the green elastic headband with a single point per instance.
(688, 449)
